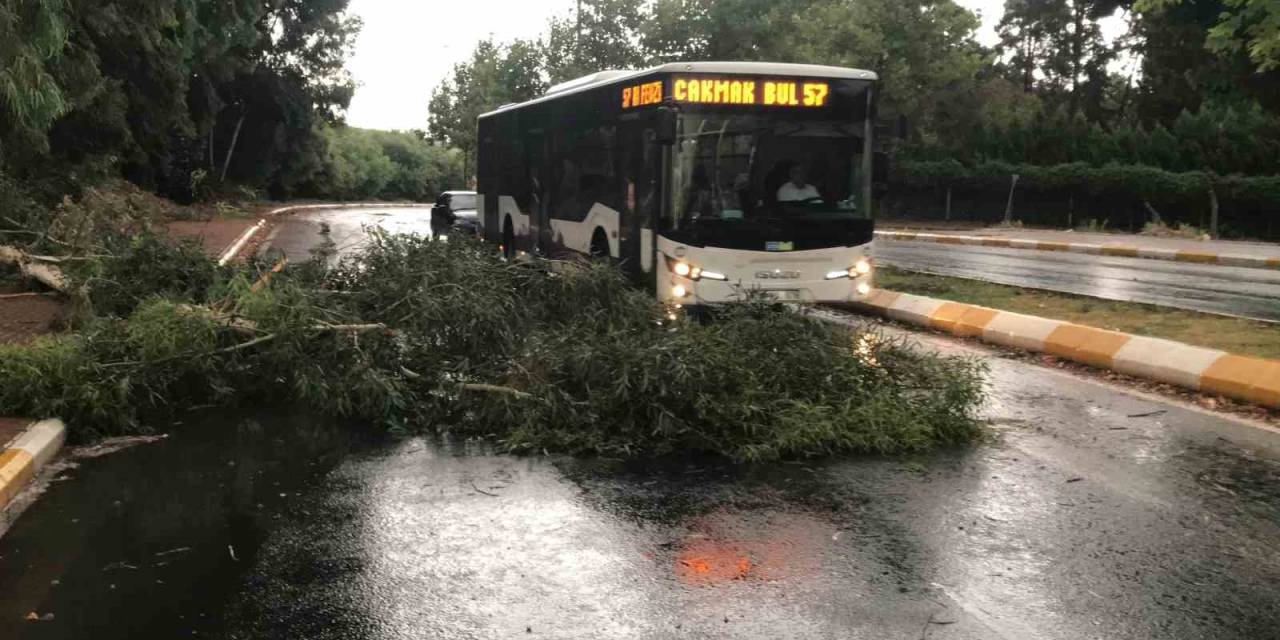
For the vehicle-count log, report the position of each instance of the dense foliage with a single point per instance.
(367, 164)
(534, 357)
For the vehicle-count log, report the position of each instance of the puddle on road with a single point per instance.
(147, 541)
(287, 526)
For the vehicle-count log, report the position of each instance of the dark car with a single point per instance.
(455, 210)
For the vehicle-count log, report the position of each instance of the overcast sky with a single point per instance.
(409, 46)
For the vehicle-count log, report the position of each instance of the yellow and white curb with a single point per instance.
(1254, 380)
(26, 455)
(1198, 257)
(236, 247)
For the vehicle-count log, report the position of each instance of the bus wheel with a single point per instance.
(508, 240)
(600, 245)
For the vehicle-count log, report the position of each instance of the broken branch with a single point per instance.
(490, 388)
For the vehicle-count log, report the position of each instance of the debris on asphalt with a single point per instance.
(113, 445)
(1149, 414)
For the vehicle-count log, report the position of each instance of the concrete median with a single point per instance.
(1244, 378)
(1114, 250)
(23, 458)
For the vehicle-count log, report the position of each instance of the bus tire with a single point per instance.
(508, 240)
(600, 245)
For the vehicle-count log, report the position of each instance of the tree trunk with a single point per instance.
(948, 202)
(235, 137)
(1077, 45)
(1071, 212)
(1155, 215)
(1213, 213)
(1008, 208)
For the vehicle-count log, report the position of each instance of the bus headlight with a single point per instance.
(679, 291)
(860, 268)
(864, 288)
(690, 271)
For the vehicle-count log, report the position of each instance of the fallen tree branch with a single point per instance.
(348, 328)
(45, 274)
(489, 388)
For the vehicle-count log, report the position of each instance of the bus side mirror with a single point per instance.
(665, 127)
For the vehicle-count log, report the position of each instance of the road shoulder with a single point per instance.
(1254, 256)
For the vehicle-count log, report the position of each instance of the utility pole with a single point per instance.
(577, 34)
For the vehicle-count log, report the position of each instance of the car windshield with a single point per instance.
(462, 201)
(734, 167)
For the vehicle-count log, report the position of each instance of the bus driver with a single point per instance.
(797, 189)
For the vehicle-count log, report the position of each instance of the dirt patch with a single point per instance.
(11, 428)
(25, 316)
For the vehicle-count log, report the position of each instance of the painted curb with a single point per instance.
(26, 455)
(236, 247)
(1257, 262)
(1254, 380)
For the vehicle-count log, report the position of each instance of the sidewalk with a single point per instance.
(1226, 252)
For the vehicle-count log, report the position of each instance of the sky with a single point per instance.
(408, 46)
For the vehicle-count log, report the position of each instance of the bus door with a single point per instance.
(542, 184)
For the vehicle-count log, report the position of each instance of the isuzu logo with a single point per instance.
(778, 274)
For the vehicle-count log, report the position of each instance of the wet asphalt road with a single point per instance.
(1236, 291)
(296, 235)
(1075, 521)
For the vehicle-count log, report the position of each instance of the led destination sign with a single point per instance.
(731, 91)
(768, 93)
(641, 95)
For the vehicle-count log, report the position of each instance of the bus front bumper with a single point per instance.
(678, 290)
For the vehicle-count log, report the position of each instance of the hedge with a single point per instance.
(1067, 194)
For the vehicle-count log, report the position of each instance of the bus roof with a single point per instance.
(606, 78)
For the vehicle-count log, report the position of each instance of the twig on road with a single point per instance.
(479, 490)
(1148, 414)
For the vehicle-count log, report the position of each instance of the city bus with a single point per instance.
(706, 180)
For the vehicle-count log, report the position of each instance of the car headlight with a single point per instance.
(691, 271)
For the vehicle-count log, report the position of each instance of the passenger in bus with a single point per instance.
(701, 199)
(798, 189)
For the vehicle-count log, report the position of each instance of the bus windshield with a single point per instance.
(744, 167)
(740, 180)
